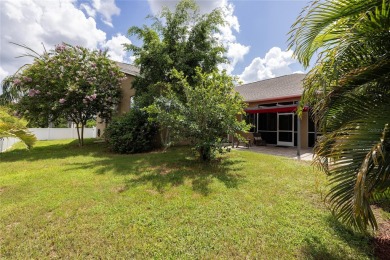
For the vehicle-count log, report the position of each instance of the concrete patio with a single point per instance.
(290, 152)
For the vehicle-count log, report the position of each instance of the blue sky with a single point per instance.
(255, 37)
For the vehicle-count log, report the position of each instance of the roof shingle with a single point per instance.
(280, 87)
(128, 68)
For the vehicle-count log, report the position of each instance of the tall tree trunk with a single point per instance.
(165, 138)
(82, 134)
(78, 133)
(205, 153)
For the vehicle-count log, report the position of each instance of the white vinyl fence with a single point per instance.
(49, 134)
(61, 133)
(6, 143)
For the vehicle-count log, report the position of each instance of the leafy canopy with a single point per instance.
(182, 40)
(349, 91)
(207, 115)
(180, 51)
(68, 82)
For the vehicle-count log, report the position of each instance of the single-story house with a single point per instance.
(127, 93)
(272, 105)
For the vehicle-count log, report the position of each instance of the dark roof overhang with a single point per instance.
(274, 109)
(274, 100)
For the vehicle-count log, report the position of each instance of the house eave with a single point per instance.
(282, 109)
(275, 99)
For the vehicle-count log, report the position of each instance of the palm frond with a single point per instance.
(349, 92)
(323, 24)
(11, 126)
(359, 150)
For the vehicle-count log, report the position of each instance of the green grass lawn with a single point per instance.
(59, 200)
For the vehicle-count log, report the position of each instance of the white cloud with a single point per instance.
(232, 23)
(275, 63)
(204, 5)
(88, 9)
(3, 74)
(116, 50)
(36, 22)
(235, 50)
(157, 5)
(235, 54)
(107, 8)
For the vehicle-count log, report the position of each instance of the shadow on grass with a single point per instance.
(167, 169)
(315, 248)
(54, 151)
(162, 170)
(198, 174)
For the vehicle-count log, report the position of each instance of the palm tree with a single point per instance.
(11, 126)
(349, 91)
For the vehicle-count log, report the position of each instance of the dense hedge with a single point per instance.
(131, 133)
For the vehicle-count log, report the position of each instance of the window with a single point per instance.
(251, 119)
(268, 105)
(312, 126)
(268, 121)
(285, 103)
(131, 102)
(312, 131)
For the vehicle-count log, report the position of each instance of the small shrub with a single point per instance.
(207, 111)
(91, 123)
(131, 133)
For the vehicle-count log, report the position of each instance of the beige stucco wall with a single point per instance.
(127, 92)
(304, 130)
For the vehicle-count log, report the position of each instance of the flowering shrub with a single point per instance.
(71, 82)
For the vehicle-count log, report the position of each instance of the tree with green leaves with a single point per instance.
(349, 91)
(11, 126)
(208, 114)
(70, 82)
(182, 40)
